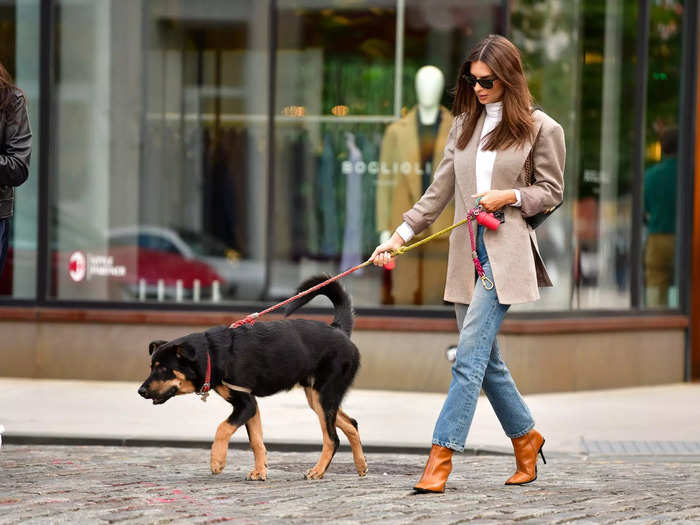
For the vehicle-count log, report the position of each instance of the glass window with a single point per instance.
(660, 188)
(160, 188)
(581, 60)
(19, 53)
(167, 115)
(352, 151)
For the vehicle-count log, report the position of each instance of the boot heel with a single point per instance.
(542, 454)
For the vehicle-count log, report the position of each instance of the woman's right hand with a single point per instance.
(382, 253)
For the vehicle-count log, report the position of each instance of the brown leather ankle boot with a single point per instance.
(437, 469)
(526, 449)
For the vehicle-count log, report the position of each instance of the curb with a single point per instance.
(274, 446)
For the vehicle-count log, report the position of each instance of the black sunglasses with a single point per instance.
(486, 83)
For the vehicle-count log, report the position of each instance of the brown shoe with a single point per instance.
(526, 449)
(437, 469)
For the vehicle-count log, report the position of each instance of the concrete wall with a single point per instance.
(390, 360)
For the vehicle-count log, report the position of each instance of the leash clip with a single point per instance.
(488, 283)
(204, 395)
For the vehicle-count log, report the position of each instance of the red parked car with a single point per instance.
(125, 272)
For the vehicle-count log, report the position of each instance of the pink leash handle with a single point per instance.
(473, 213)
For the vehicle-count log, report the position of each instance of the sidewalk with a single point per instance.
(59, 411)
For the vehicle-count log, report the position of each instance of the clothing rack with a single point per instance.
(230, 118)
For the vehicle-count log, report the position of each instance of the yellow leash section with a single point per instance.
(251, 318)
(405, 249)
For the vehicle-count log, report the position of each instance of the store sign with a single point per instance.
(375, 168)
(77, 266)
(81, 266)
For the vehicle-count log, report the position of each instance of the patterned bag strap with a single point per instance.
(530, 166)
(530, 161)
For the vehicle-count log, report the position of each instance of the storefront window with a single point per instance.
(19, 53)
(160, 191)
(348, 156)
(660, 187)
(163, 131)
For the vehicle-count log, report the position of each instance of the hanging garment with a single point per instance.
(326, 191)
(352, 228)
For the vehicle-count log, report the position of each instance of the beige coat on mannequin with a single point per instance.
(518, 269)
(419, 275)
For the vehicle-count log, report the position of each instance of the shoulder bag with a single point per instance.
(535, 220)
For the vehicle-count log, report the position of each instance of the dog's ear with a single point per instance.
(187, 352)
(153, 346)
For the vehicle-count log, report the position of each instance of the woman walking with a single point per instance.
(15, 150)
(486, 157)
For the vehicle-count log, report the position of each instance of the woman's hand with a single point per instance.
(493, 200)
(382, 253)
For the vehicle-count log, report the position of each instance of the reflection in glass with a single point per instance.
(661, 174)
(161, 115)
(350, 149)
(19, 52)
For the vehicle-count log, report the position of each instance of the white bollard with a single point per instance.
(142, 290)
(161, 290)
(196, 290)
(215, 292)
(178, 291)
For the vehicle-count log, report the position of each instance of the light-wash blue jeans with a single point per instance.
(479, 365)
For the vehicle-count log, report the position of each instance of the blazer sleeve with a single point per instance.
(549, 159)
(17, 148)
(440, 192)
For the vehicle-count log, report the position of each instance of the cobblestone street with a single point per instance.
(60, 484)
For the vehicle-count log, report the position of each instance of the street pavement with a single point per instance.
(629, 455)
(94, 484)
(77, 412)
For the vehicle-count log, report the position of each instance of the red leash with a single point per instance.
(482, 217)
(250, 319)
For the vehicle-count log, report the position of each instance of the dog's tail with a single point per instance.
(344, 318)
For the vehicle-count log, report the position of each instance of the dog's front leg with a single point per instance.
(244, 408)
(254, 428)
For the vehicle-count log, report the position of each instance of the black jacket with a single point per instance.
(15, 150)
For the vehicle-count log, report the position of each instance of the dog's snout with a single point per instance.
(143, 392)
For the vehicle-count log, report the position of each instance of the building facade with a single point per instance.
(195, 160)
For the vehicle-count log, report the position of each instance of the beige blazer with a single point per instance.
(517, 266)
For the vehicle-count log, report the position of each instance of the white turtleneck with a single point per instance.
(484, 163)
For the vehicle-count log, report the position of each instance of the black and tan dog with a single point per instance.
(261, 360)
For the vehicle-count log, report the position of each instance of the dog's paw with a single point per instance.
(314, 473)
(362, 469)
(217, 466)
(257, 475)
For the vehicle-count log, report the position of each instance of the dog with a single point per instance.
(263, 359)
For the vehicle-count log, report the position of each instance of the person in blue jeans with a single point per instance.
(496, 145)
(15, 151)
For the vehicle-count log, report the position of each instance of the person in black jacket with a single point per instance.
(15, 150)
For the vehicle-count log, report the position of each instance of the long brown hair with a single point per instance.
(7, 89)
(516, 126)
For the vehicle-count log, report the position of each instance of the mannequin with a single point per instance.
(430, 83)
(411, 148)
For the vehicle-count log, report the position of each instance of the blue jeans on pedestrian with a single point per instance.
(479, 365)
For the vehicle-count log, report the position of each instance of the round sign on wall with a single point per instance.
(77, 266)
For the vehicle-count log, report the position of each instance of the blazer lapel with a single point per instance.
(466, 160)
(510, 161)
